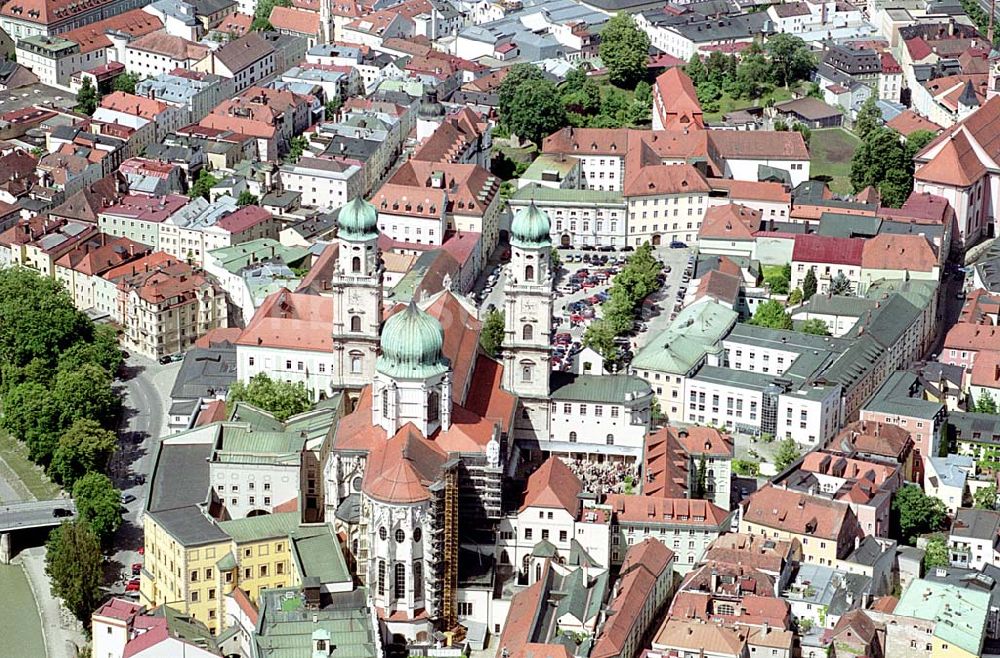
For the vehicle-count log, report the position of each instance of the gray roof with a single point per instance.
(611, 389)
(902, 394)
(241, 53)
(976, 524)
(205, 373)
(975, 427)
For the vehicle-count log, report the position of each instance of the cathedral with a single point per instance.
(416, 468)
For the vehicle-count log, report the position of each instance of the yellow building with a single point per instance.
(192, 561)
(825, 529)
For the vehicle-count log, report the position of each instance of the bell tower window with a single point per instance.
(433, 406)
(528, 332)
(529, 272)
(356, 264)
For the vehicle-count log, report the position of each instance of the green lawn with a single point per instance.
(729, 104)
(27, 478)
(831, 150)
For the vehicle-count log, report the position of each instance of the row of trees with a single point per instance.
(784, 60)
(56, 386)
(639, 278)
(884, 160)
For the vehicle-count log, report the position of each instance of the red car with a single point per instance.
(142, 550)
(132, 586)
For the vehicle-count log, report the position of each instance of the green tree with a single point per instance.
(882, 161)
(717, 68)
(841, 285)
(915, 513)
(247, 198)
(84, 448)
(917, 140)
(985, 404)
(816, 327)
(790, 58)
(296, 148)
(102, 350)
(30, 416)
(37, 318)
(936, 552)
(795, 297)
(262, 15)
(655, 411)
(788, 452)
(803, 130)
(491, 336)
(809, 284)
(695, 70)
(125, 82)
(331, 109)
(74, 564)
(708, 96)
(518, 75)
(84, 393)
(753, 76)
(87, 98)
(535, 111)
(98, 503)
(985, 497)
(203, 185)
(869, 118)
(771, 314)
(280, 398)
(779, 280)
(700, 485)
(600, 337)
(624, 50)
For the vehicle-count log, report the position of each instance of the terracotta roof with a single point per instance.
(146, 208)
(245, 218)
(889, 63)
(885, 604)
(291, 321)
(755, 609)
(755, 551)
(119, 609)
(873, 438)
(955, 164)
(643, 566)
(887, 251)
(827, 249)
(720, 286)
(665, 464)
(698, 636)
(730, 222)
(657, 509)
(102, 254)
(918, 49)
(745, 190)
(93, 36)
(521, 614)
(553, 485)
(666, 179)
(214, 412)
(858, 623)
(704, 441)
(400, 469)
(168, 45)
(295, 20)
(47, 12)
(169, 283)
(235, 24)
(245, 604)
(539, 650)
(217, 336)
(972, 337)
(796, 512)
(471, 189)
(140, 106)
(754, 144)
(677, 101)
(986, 371)
(908, 122)
(487, 398)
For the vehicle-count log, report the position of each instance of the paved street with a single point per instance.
(34, 514)
(146, 399)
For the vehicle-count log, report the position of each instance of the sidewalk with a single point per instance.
(61, 631)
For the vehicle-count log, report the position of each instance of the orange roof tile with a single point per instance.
(140, 106)
(553, 485)
(796, 512)
(908, 122)
(290, 19)
(887, 251)
(291, 321)
(955, 164)
(656, 509)
(986, 371)
(666, 179)
(730, 222)
(677, 101)
(400, 469)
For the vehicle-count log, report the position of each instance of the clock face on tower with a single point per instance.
(529, 305)
(355, 297)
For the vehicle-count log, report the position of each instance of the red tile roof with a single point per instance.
(168, 45)
(827, 249)
(119, 609)
(553, 485)
(140, 106)
(243, 219)
(796, 512)
(908, 122)
(147, 208)
(753, 144)
(745, 190)
(665, 464)
(918, 49)
(972, 337)
(986, 371)
(666, 179)
(730, 222)
(400, 469)
(471, 189)
(677, 101)
(699, 441)
(135, 22)
(295, 20)
(955, 164)
(888, 251)
(102, 254)
(656, 509)
(291, 321)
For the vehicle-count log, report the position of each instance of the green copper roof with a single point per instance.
(959, 615)
(358, 220)
(411, 345)
(530, 228)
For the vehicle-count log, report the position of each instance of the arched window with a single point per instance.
(526, 563)
(355, 364)
(400, 580)
(381, 577)
(528, 332)
(418, 579)
(504, 557)
(355, 323)
(385, 403)
(529, 272)
(356, 264)
(572, 437)
(433, 406)
(611, 439)
(526, 373)
(538, 572)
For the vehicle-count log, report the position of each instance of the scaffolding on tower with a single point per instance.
(449, 615)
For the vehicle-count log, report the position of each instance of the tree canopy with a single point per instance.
(98, 503)
(125, 82)
(247, 198)
(816, 327)
(83, 448)
(985, 403)
(276, 397)
(809, 284)
(915, 513)
(203, 185)
(779, 279)
(533, 109)
(624, 50)
(882, 161)
(985, 497)
(491, 337)
(87, 98)
(841, 285)
(790, 58)
(936, 552)
(74, 564)
(869, 118)
(788, 452)
(772, 314)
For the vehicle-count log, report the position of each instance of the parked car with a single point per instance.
(132, 586)
(127, 498)
(61, 512)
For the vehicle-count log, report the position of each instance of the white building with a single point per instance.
(325, 184)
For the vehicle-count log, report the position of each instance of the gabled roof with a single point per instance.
(826, 249)
(401, 469)
(678, 99)
(553, 485)
(730, 222)
(955, 164)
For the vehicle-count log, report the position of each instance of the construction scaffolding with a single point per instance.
(449, 608)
